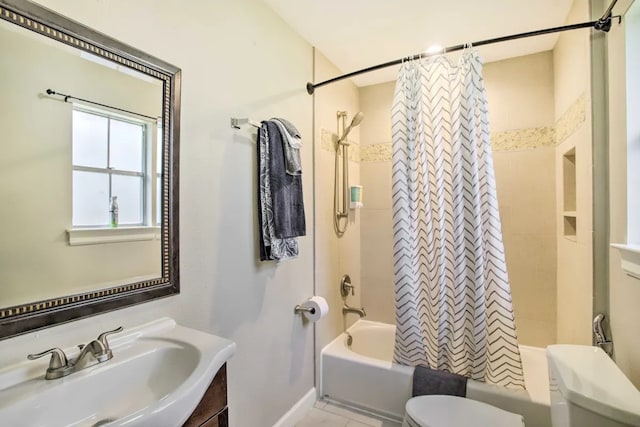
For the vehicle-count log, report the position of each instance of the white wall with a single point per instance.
(624, 291)
(238, 60)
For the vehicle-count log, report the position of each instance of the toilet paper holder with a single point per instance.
(313, 309)
(298, 309)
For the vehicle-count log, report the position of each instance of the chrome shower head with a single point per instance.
(357, 119)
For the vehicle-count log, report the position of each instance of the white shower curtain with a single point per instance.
(453, 300)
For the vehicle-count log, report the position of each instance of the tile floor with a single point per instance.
(330, 414)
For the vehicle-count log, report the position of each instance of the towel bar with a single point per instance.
(236, 123)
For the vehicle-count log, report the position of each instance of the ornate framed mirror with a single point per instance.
(89, 171)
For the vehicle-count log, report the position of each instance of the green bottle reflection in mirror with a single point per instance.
(113, 212)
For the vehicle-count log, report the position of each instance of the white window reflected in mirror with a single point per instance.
(115, 155)
(158, 192)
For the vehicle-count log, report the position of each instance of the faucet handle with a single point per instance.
(346, 286)
(102, 338)
(58, 358)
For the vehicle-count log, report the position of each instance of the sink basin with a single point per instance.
(158, 374)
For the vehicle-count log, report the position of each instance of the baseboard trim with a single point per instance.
(298, 411)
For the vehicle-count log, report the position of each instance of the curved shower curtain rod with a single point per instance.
(602, 24)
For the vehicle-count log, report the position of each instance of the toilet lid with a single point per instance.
(453, 411)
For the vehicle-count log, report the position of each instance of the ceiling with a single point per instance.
(356, 34)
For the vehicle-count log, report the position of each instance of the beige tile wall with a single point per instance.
(533, 100)
(525, 180)
(520, 92)
(333, 256)
(377, 243)
(377, 235)
(526, 193)
(571, 60)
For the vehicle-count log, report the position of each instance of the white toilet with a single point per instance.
(453, 411)
(587, 390)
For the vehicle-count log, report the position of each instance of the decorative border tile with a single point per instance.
(377, 152)
(523, 139)
(328, 143)
(511, 140)
(520, 139)
(571, 119)
(354, 152)
(328, 140)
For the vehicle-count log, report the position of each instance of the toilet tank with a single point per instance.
(589, 390)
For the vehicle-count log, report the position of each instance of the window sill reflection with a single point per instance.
(94, 236)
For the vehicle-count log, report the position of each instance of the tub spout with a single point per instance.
(359, 311)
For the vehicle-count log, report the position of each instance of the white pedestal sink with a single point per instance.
(158, 374)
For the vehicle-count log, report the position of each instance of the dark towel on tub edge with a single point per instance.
(428, 381)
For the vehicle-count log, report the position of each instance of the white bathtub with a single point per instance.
(363, 376)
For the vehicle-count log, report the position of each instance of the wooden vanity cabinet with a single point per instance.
(212, 411)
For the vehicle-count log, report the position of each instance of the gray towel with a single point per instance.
(271, 248)
(291, 147)
(289, 126)
(286, 190)
(428, 381)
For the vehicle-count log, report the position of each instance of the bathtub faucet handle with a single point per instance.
(346, 286)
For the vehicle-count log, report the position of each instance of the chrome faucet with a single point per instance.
(60, 366)
(359, 311)
(600, 337)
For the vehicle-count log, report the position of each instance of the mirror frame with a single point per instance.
(35, 315)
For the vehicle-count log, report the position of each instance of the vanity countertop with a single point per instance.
(167, 368)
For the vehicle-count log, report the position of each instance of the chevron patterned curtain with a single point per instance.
(453, 299)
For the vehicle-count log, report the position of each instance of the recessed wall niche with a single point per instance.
(569, 194)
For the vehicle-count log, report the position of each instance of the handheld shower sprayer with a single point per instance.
(341, 212)
(357, 119)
